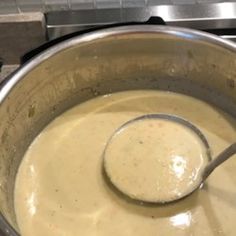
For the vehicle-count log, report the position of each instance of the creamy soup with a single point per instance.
(60, 188)
(155, 160)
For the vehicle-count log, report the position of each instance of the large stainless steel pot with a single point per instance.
(100, 62)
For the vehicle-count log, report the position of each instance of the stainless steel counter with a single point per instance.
(198, 16)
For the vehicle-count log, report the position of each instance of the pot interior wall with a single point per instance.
(181, 63)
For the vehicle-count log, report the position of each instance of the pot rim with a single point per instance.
(180, 32)
(14, 78)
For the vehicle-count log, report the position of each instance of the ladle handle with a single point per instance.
(223, 156)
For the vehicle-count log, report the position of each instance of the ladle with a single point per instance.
(210, 165)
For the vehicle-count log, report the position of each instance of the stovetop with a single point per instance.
(24, 31)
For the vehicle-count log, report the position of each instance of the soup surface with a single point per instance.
(60, 188)
(155, 160)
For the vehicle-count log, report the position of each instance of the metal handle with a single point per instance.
(222, 157)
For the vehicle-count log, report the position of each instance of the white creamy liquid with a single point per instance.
(155, 160)
(60, 189)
